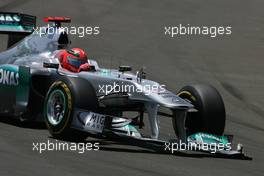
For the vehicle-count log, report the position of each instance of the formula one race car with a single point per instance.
(34, 86)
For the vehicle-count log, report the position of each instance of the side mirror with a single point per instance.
(125, 68)
(51, 65)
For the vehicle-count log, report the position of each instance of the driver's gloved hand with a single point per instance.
(84, 67)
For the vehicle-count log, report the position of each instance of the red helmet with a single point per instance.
(73, 59)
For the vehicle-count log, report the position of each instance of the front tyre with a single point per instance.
(211, 115)
(58, 112)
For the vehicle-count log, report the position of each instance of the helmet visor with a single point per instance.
(75, 61)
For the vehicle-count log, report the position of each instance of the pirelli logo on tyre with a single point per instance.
(68, 92)
(187, 93)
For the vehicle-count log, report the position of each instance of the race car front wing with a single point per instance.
(105, 125)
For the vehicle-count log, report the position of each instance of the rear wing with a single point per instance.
(16, 25)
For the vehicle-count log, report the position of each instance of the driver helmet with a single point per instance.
(73, 59)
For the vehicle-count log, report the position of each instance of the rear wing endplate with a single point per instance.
(16, 25)
(16, 22)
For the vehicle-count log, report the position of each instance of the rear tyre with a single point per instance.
(63, 96)
(211, 115)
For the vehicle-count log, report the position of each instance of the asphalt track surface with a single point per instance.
(132, 31)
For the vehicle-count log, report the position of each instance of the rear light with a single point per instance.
(57, 19)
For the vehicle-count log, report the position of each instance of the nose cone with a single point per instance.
(170, 100)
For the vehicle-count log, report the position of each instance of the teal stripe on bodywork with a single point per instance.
(23, 89)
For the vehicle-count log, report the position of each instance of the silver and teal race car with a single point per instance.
(33, 86)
